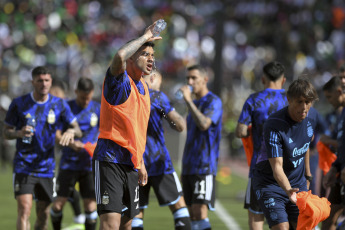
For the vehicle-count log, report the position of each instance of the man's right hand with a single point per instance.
(26, 131)
(149, 32)
(292, 193)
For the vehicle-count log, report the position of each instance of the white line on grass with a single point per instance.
(227, 219)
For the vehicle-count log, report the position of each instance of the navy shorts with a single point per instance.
(250, 201)
(276, 205)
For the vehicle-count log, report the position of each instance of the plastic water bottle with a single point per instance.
(179, 94)
(159, 27)
(30, 122)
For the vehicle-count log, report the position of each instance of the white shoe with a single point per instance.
(79, 219)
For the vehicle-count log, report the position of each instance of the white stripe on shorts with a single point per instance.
(248, 191)
(97, 187)
(177, 181)
(209, 187)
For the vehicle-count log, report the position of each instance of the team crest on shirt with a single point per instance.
(105, 198)
(51, 117)
(93, 120)
(28, 116)
(310, 131)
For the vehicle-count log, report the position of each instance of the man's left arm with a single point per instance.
(307, 167)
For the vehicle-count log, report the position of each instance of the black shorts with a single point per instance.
(250, 201)
(43, 189)
(67, 179)
(167, 188)
(116, 188)
(199, 189)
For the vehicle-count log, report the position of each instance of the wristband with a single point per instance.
(309, 178)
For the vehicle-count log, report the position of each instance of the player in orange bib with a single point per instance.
(125, 109)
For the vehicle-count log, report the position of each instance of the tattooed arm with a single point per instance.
(118, 64)
(241, 130)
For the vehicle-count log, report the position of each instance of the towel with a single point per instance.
(312, 210)
(326, 157)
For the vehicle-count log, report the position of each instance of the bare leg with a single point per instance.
(110, 221)
(42, 212)
(24, 205)
(255, 221)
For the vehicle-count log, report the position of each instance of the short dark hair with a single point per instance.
(274, 70)
(59, 84)
(197, 67)
(39, 70)
(302, 88)
(333, 84)
(85, 84)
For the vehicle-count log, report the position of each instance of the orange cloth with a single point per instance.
(312, 210)
(126, 124)
(90, 148)
(326, 157)
(248, 145)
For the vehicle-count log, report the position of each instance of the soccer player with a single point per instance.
(58, 90)
(75, 163)
(334, 94)
(125, 109)
(160, 170)
(255, 111)
(283, 168)
(34, 163)
(200, 157)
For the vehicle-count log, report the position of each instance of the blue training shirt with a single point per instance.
(256, 110)
(116, 91)
(289, 139)
(37, 158)
(156, 155)
(88, 120)
(201, 152)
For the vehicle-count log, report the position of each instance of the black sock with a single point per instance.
(56, 218)
(182, 219)
(90, 220)
(74, 200)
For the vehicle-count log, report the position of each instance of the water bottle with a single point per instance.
(30, 122)
(159, 27)
(179, 94)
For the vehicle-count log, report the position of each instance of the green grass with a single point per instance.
(230, 193)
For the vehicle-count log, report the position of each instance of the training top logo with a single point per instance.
(310, 131)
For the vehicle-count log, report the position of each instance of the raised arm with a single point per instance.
(118, 64)
(176, 121)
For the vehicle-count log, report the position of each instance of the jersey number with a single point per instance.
(202, 187)
(136, 199)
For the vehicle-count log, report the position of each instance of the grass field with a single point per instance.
(230, 193)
